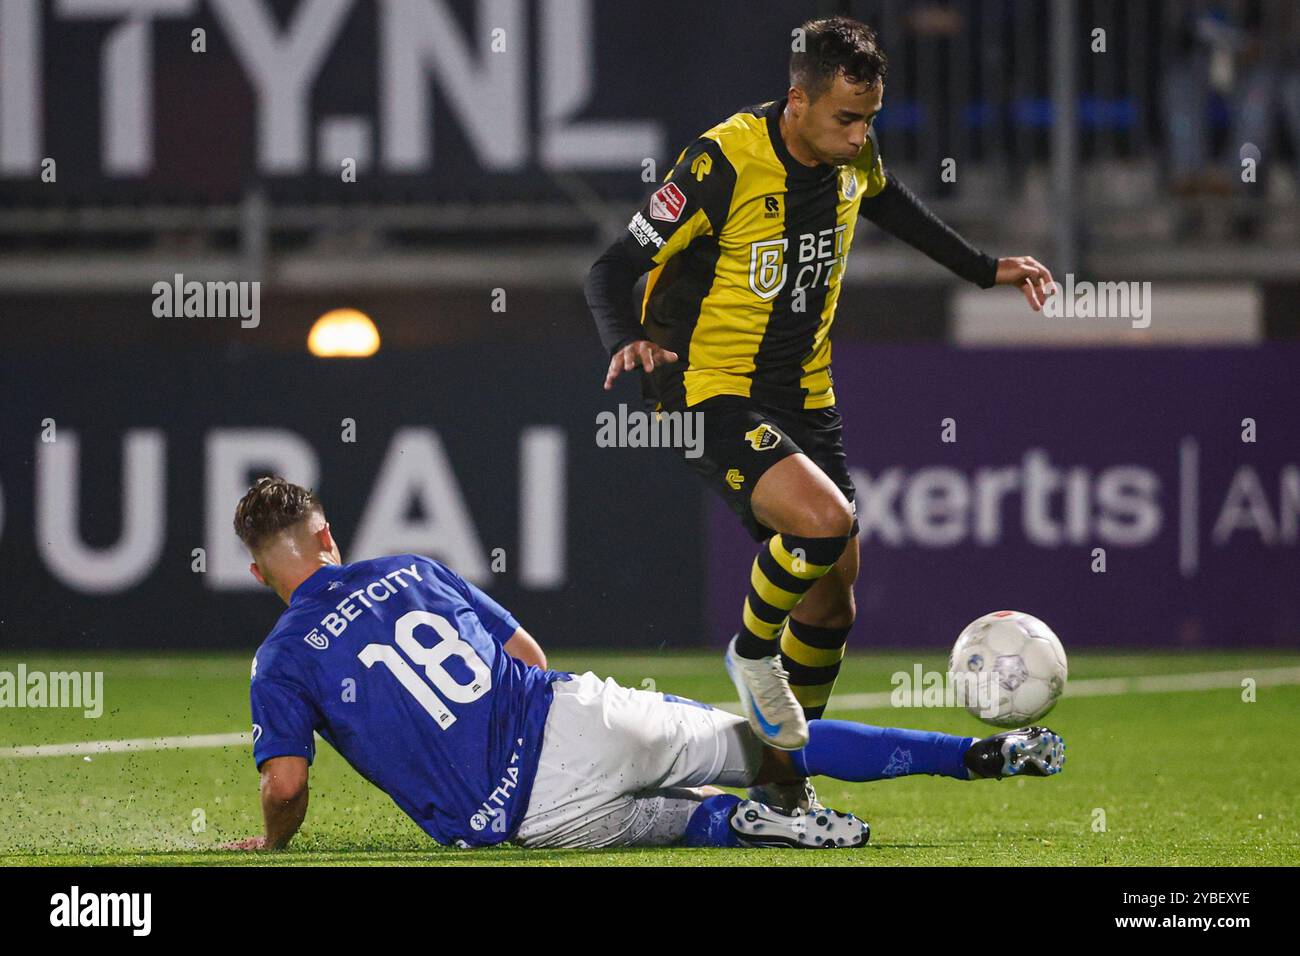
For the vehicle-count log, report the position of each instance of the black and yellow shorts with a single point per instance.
(744, 438)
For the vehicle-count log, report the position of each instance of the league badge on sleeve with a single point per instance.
(848, 182)
(667, 203)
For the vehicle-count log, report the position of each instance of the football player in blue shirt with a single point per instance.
(435, 694)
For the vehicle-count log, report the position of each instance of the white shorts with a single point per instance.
(614, 760)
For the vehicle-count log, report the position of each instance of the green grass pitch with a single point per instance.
(1197, 777)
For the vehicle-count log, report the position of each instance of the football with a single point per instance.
(1008, 668)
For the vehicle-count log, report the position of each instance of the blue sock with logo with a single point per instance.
(710, 824)
(859, 752)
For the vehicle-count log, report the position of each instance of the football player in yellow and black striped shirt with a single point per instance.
(746, 244)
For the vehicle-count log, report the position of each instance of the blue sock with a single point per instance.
(710, 824)
(859, 752)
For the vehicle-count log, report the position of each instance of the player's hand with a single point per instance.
(1032, 276)
(249, 843)
(642, 352)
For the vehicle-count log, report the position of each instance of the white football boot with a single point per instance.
(766, 699)
(758, 825)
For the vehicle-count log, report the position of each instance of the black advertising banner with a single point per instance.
(119, 477)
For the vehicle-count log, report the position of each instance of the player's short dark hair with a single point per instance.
(271, 506)
(834, 45)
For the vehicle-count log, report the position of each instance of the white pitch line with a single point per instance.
(192, 742)
(1098, 687)
(1119, 686)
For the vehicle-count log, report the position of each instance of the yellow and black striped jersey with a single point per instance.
(747, 250)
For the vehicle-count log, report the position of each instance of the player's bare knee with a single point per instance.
(831, 517)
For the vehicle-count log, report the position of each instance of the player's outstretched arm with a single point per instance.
(523, 646)
(284, 804)
(898, 211)
(284, 799)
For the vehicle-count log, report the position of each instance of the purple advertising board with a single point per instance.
(1129, 497)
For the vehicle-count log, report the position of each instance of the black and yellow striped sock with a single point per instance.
(786, 567)
(812, 655)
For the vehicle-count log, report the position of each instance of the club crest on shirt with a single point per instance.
(667, 203)
(767, 268)
(762, 437)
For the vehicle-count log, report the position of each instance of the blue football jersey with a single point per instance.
(398, 663)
